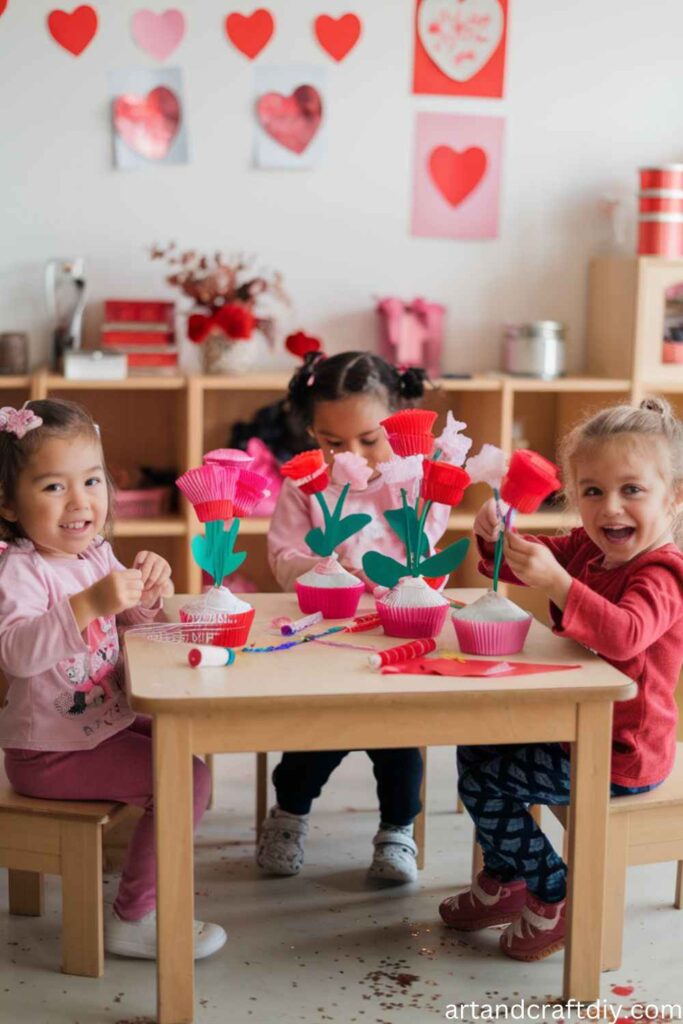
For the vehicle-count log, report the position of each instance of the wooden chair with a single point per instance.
(643, 829)
(59, 837)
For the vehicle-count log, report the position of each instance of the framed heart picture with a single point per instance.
(148, 122)
(289, 113)
(457, 175)
(459, 47)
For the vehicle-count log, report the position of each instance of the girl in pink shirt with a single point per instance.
(66, 727)
(616, 586)
(341, 400)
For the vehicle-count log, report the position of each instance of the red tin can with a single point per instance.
(666, 176)
(660, 234)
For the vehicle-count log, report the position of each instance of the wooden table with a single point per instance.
(318, 698)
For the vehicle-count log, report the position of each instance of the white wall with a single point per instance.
(593, 91)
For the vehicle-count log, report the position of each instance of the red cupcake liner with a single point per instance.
(221, 631)
(491, 637)
(412, 623)
(417, 421)
(411, 444)
(333, 602)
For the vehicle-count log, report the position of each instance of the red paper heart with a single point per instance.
(3, 5)
(148, 124)
(250, 33)
(338, 36)
(457, 174)
(299, 344)
(73, 31)
(291, 120)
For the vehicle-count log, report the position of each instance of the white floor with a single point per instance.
(328, 945)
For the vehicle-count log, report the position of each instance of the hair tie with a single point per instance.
(318, 357)
(18, 421)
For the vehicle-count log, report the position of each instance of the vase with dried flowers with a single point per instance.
(234, 306)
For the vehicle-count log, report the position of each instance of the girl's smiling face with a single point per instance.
(61, 499)
(627, 504)
(353, 425)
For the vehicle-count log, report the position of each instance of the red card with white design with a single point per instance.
(457, 175)
(469, 667)
(460, 47)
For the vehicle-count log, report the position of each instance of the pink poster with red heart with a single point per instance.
(457, 175)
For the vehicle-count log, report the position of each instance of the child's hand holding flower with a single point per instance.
(534, 564)
(156, 577)
(487, 525)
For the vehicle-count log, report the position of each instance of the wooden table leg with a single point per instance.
(588, 821)
(175, 868)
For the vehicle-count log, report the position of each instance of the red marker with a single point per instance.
(208, 655)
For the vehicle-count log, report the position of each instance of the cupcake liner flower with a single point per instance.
(234, 457)
(444, 483)
(351, 469)
(409, 431)
(307, 471)
(250, 489)
(403, 473)
(211, 490)
(487, 467)
(453, 445)
(530, 479)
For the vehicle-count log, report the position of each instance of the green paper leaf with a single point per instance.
(446, 561)
(382, 569)
(350, 525)
(396, 517)
(201, 553)
(320, 543)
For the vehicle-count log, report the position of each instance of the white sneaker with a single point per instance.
(395, 856)
(280, 849)
(139, 938)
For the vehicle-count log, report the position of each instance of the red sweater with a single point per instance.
(632, 616)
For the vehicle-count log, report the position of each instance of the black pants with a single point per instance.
(300, 777)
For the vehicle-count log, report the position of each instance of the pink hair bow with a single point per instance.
(18, 421)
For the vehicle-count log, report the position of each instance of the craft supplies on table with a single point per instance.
(403, 652)
(299, 625)
(207, 656)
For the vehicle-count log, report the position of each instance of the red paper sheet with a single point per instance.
(469, 667)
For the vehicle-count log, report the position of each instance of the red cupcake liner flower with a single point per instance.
(530, 479)
(307, 471)
(409, 431)
(443, 483)
(411, 444)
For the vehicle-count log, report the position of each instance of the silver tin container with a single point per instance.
(535, 350)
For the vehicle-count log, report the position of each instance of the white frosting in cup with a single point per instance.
(492, 607)
(413, 592)
(328, 575)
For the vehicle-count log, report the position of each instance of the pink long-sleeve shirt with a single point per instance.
(65, 688)
(296, 513)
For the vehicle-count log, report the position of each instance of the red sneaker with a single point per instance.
(487, 902)
(537, 933)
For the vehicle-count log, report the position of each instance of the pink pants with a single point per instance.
(120, 769)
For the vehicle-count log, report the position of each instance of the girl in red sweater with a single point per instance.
(615, 585)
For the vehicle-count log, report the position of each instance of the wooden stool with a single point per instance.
(58, 837)
(643, 829)
(262, 803)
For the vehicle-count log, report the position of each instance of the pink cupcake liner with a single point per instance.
(333, 602)
(221, 630)
(491, 637)
(412, 623)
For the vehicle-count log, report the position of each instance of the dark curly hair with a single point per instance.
(323, 379)
(60, 419)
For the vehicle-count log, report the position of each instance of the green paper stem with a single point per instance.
(498, 553)
(326, 512)
(336, 515)
(420, 528)
(409, 549)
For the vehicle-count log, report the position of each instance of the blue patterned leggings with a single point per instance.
(496, 785)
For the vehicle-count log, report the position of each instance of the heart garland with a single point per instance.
(250, 33)
(73, 31)
(456, 174)
(158, 34)
(337, 36)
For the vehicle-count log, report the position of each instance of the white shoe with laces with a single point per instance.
(395, 856)
(139, 938)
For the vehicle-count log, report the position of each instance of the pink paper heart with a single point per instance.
(291, 120)
(158, 34)
(148, 124)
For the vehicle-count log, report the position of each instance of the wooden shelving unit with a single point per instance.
(173, 420)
